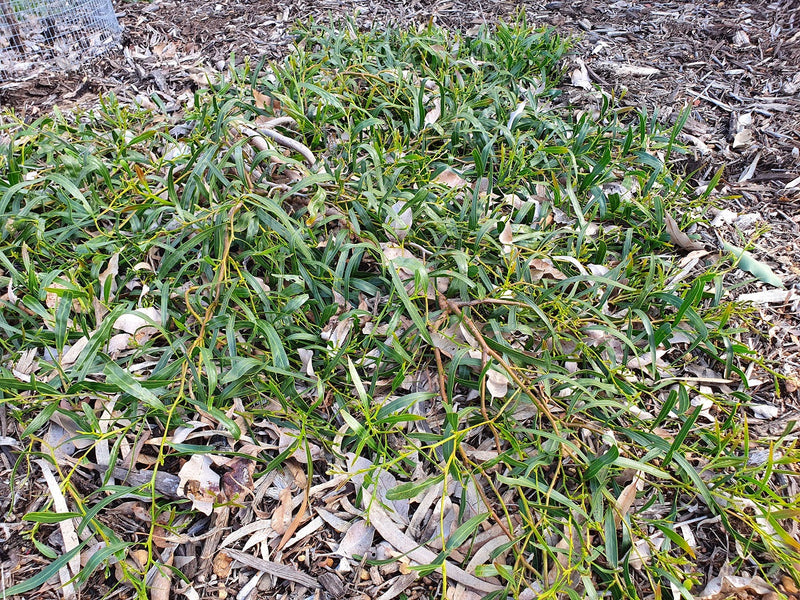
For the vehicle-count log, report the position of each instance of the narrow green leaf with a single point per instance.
(126, 383)
(464, 531)
(45, 574)
(412, 489)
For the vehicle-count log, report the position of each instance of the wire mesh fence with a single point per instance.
(48, 35)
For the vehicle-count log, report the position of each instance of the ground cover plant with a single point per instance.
(394, 306)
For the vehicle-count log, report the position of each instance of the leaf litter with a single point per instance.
(264, 266)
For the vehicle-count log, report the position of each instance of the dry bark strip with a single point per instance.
(389, 531)
(273, 568)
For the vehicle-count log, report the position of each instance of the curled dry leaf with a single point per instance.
(393, 254)
(580, 76)
(516, 113)
(287, 438)
(726, 585)
(434, 113)
(306, 356)
(743, 139)
(765, 411)
(199, 483)
(336, 332)
(162, 582)
(507, 237)
(496, 383)
(626, 499)
(138, 323)
(543, 268)
(222, 565)
(237, 481)
(391, 533)
(359, 467)
(641, 551)
(107, 278)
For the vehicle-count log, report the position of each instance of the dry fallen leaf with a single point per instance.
(138, 323)
(451, 179)
(678, 237)
(222, 565)
(496, 383)
(507, 237)
(434, 113)
(626, 499)
(199, 483)
(162, 582)
(400, 219)
(580, 76)
(541, 268)
(725, 585)
(357, 541)
(108, 284)
(67, 528)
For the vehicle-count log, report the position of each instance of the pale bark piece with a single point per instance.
(769, 297)
(391, 533)
(67, 528)
(275, 569)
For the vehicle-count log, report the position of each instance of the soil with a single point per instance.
(734, 65)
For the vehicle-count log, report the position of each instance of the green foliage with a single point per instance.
(246, 255)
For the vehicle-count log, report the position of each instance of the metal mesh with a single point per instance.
(38, 35)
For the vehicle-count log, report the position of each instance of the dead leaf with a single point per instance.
(626, 499)
(451, 179)
(769, 297)
(434, 113)
(67, 528)
(357, 541)
(358, 467)
(282, 515)
(306, 356)
(496, 383)
(507, 237)
(138, 323)
(107, 288)
(199, 483)
(237, 481)
(580, 76)
(725, 585)
(162, 582)
(743, 139)
(678, 237)
(400, 219)
(336, 332)
(541, 268)
(516, 113)
(764, 411)
(222, 565)
(628, 70)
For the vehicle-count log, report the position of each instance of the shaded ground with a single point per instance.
(734, 64)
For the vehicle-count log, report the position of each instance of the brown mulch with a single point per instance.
(736, 65)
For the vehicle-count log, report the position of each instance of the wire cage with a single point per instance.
(48, 35)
